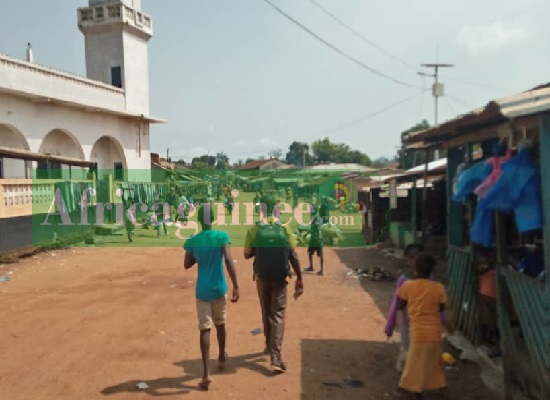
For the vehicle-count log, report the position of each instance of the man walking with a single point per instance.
(315, 245)
(208, 249)
(272, 246)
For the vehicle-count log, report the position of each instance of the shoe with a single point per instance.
(279, 367)
(320, 273)
(309, 269)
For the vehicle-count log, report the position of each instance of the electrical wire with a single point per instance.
(457, 100)
(475, 84)
(421, 105)
(362, 37)
(396, 58)
(369, 116)
(450, 106)
(338, 50)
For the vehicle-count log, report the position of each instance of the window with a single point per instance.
(114, 11)
(99, 12)
(87, 14)
(119, 171)
(116, 77)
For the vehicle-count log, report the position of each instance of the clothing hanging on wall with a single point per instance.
(468, 180)
(517, 190)
(496, 169)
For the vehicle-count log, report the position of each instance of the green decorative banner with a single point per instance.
(159, 207)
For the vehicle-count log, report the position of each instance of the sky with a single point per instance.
(237, 76)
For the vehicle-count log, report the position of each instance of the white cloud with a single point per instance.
(491, 37)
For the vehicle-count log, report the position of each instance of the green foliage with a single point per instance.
(277, 154)
(222, 161)
(203, 162)
(326, 151)
(298, 153)
(411, 158)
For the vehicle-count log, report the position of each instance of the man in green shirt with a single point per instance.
(272, 274)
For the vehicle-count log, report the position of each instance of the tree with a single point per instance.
(277, 154)
(296, 154)
(411, 158)
(203, 162)
(381, 162)
(326, 151)
(222, 161)
(249, 160)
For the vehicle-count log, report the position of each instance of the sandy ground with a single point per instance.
(91, 323)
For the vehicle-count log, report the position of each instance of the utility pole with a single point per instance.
(438, 90)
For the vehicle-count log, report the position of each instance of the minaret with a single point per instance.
(116, 36)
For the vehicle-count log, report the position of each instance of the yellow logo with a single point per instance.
(344, 192)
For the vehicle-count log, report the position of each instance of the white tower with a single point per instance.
(116, 35)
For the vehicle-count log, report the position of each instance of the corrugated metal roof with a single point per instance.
(527, 103)
(432, 165)
(32, 156)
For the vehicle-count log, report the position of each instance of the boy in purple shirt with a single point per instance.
(410, 253)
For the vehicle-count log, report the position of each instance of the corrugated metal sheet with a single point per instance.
(523, 104)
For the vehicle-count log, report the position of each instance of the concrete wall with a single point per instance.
(36, 120)
(21, 76)
(103, 51)
(136, 74)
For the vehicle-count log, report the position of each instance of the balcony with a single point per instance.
(91, 18)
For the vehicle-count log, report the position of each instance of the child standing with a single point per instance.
(411, 251)
(424, 300)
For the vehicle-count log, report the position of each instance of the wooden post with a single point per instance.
(544, 138)
(424, 198)
(455, 217)
(414, 207)
(471, 207)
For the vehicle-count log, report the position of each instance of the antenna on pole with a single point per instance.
(438, 89)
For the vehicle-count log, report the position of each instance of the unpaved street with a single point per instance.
(91, 323)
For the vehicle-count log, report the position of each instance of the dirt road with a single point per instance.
(91, 323)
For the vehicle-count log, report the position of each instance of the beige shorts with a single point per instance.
(211, 312)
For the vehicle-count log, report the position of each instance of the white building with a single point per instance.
(63, 123)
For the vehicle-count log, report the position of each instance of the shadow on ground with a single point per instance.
(170, 386)
(344, 369)
(328, 364)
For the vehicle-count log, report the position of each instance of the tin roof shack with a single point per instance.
(420, 197)
(393, 203)
(499, 209)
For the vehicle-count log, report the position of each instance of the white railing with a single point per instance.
(53, 73)
(21, 197)
(113, 13)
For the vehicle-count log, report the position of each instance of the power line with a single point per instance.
(481, 85)
(457, 100)
(336, 49)
(369, 116)
(450, 106)
(360, 36)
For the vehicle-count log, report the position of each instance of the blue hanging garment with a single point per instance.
(482, 226)
(469, 179)
(518, 190)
